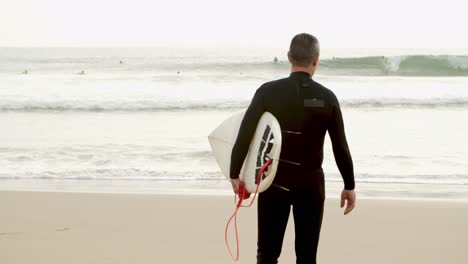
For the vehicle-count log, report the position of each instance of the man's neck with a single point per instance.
(309, 70)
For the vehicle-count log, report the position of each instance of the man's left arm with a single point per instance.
(247, 129)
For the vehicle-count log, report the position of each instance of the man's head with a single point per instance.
(304, 51)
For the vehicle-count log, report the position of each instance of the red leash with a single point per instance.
(243, 195)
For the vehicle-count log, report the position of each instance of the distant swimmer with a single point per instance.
(81, 73)
(121, 62)
(275, 60)
(25, 72)
(178, 72)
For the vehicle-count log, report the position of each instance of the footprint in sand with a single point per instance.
(9, 233)
(63, 229)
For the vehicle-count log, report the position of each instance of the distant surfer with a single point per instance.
(275, 60)
(120, 62)
(81, 73)
(310, 111)
(25, 72)
(385, 59)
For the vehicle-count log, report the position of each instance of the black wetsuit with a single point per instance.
(305, 111)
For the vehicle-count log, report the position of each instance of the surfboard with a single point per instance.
(265, 145)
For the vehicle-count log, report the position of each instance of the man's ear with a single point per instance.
(289, 57)
(315, 61)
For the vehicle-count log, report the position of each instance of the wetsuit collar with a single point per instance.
(300, 74)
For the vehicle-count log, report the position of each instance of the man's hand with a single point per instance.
(239, 188)
(350, 197)
(235, 185)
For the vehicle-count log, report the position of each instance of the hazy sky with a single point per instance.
(235, 23)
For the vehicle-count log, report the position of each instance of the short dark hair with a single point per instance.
(304, 47)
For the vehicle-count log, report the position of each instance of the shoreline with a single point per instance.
(227, 193)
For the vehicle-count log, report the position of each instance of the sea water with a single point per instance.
(136, 120)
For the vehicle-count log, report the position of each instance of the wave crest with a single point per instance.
(84, 106)
(412, 65)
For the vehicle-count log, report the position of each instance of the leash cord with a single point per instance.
(243, 195)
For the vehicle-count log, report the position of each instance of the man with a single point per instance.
(305, 111)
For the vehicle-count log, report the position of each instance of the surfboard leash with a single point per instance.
(243, 195)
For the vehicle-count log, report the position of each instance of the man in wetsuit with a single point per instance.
(305, 110)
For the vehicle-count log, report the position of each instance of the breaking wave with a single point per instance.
(86, 106)
(413, 65)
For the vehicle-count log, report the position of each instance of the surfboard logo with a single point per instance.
(268, 140)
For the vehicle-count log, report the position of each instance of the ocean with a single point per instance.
(136, 120)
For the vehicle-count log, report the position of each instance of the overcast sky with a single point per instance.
(235, 23)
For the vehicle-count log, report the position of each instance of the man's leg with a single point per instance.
(274, 206)
(308, 214)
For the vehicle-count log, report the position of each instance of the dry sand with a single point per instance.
(67, 228)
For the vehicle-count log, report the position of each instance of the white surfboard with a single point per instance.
(265, 145)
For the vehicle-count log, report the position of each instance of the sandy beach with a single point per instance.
(43, 227)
